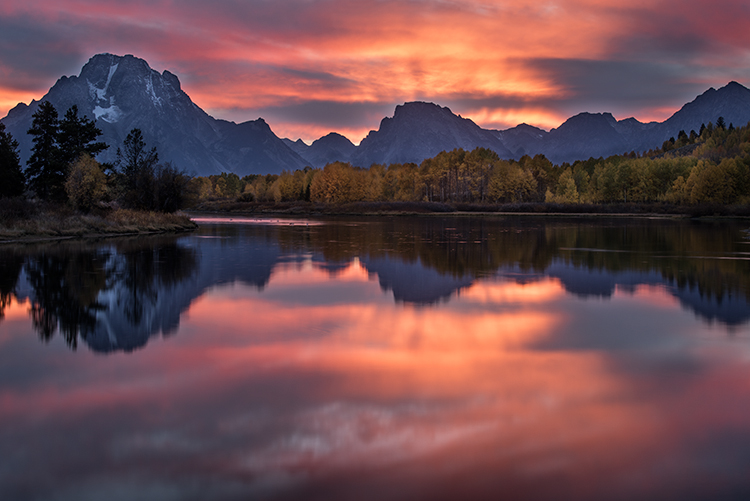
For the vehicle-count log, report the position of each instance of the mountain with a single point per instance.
(731, 102)
(599, 135)
(330, 148)
(123, 92)
(583, 136)
(521, 137)
(421, 130)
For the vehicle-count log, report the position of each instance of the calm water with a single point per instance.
(430, 358)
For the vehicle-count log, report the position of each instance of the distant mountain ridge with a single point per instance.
(123, 92)
(600, 135)
(329, 148)
(421, 130)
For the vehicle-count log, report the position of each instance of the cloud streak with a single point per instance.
(498, 63)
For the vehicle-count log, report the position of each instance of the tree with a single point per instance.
(136, 176)
(86, 184)
(720, 123)
(712, 183)
(202, 188)
(171, 187)
(12, 180)
(77, 136)
(338, 182)
(290, 186)
(682, 139)
(509, 182)
(566, 192)
(233, 184)
(46, 170)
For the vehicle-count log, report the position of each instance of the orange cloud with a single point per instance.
(242, 60)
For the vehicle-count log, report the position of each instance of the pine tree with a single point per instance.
(77, 136)
(46, 169)
(12, 180)
(137, 165)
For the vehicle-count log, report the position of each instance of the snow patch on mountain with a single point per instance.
(100, 94)
(151, 93)
(109, 115)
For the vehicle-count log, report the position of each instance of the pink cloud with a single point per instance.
(241, 59)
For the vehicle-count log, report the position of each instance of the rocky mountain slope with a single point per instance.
(329, 148)
(600, 135)
(123, 93)
(421, 130)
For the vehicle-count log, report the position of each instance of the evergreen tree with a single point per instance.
(136, 165)
(77, 136)
(46, 169)
(12, 180)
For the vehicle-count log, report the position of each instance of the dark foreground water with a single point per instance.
(400, 358)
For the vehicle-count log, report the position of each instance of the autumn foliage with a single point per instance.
(711, 167)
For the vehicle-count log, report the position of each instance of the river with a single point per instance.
(380, 358)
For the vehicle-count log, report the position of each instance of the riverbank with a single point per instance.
(24, 222)
(437, 208)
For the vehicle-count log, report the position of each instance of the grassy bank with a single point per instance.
(23, 221)
(405, 208)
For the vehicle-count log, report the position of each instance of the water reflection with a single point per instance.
(431, 260)
(11, 264)
(373, 359)
(115, 296)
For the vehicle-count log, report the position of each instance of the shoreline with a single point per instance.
(51, 226)
(592, 215)
(40, 239)
(121, 223)
(399, 209)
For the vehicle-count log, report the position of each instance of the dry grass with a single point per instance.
(24, 221)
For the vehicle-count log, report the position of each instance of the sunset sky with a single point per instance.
(309, 67)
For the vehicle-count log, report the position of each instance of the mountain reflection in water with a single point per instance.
(404, 358)
(115, 296)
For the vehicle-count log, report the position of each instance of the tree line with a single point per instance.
(62, 167)
(710, 166)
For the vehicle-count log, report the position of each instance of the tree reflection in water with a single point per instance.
(69, 283)
(496, 368)
(115, 295)
(65, 286)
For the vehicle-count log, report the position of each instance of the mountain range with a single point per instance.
(124, 92)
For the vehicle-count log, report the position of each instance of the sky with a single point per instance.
(309, 67)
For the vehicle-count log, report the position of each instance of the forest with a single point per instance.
(62, 168)
(710, 166)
